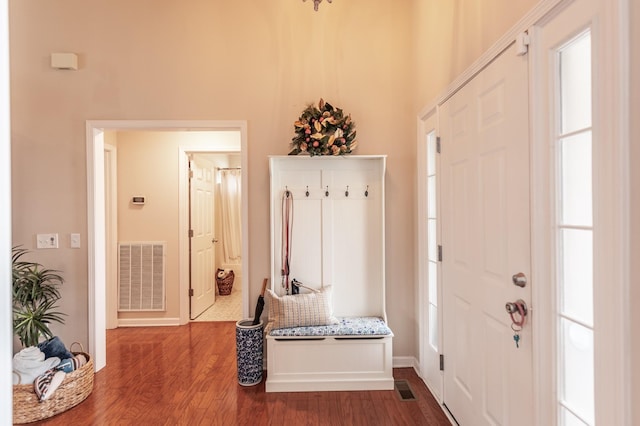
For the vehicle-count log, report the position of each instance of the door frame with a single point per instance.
(111, 235)
(184, 152)
(427, 123)
(612, 304)
(6, 329)
(96, 215)
(614, 17)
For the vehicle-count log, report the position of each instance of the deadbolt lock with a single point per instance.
(519, 279)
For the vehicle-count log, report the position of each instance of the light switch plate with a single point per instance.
(75, 240)
(47, 241)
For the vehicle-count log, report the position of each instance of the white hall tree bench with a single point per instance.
(333, 336)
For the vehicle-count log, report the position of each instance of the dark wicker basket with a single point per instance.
(74, 389)
(225, 284)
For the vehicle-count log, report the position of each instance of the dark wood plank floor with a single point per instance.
(187, 376)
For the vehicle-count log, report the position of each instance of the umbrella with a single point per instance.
(260, 304)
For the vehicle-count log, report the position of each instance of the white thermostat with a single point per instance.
(137, 200)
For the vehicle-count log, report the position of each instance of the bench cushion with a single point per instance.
(346, 326)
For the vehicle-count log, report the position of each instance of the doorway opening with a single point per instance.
(97, 216)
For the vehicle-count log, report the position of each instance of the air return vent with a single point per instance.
(404, 390)
(141, 283)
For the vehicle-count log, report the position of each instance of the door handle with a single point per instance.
(215, 240)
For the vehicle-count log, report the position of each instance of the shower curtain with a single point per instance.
(230, 198)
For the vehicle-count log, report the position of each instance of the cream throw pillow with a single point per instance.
(300, 310)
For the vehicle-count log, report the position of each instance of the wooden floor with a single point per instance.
(187, 376)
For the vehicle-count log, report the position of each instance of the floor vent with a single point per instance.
(404, 390)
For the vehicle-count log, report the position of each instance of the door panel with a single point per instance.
(485, 238)
(202, 249)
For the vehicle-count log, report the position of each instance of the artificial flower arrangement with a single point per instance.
(324, 130)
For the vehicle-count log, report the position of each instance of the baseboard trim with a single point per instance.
(404, 362)
(148, 322)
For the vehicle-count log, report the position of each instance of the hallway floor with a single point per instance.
(187, 375)
(225, 308)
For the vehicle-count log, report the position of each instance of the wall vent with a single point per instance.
(141, 282)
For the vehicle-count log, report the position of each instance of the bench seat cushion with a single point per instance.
(347, 326)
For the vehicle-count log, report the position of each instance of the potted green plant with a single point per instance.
(35, 294)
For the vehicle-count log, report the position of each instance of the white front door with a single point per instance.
(486, 240)
(203, 293)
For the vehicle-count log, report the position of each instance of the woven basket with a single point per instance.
(225, 284)
(74, 389)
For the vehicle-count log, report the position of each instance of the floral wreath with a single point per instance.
(324, 130)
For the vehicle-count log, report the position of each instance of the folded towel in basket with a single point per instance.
(45, 385)
(29, 363)
(222, 273)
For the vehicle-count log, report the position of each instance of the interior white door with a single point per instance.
(203, 291)
(486, 240)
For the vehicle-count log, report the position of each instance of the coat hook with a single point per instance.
(326, 193)
(307, 193)
(366, 192)
(346, 193)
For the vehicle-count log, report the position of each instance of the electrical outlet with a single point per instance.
(47, 241)
(75, 240)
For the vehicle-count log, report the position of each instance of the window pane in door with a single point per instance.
(433, 245)
(433, 327)
(431, 198)
(576, 274)
(576, 369)
(575, 179)
(433, 281)
(575, 84)
(431, 153)
(568, 419)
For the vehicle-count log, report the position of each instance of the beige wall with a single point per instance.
(448, 36)
(148, 166)
(209, 60)
(259, 61)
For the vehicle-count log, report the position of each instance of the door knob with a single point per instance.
(215, 240)
(519, 279)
